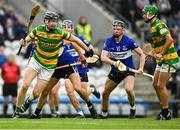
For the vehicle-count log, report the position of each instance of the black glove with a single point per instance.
(89, 53)
(84, 63)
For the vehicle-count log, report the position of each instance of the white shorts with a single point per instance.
(43, 73)
(167, 68)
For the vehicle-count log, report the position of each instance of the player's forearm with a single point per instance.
(79, 42)
(107, 60)
(142, 61)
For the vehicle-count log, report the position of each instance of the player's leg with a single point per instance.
(90, 89)
(54, 101)
(30, 74)
(70, 92)
(42, 80)
(39, 86)
(110, 85)
(129, 87)
(42, 100)
(163, 93)
(155, 82)
(51, 104)
(75, 80)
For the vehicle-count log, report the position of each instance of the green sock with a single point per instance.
(57, 108)
(18, 109)
(52, 111)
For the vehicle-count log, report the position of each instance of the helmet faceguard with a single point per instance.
(150, 11)
(118, 23)
(51, 20)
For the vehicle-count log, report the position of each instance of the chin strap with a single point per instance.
(149, 18)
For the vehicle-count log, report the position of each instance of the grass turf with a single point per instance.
(90, 124)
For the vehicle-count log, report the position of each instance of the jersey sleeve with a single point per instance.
(32, 35)
(133, 44)
(106, 48)
(65, 34)
(84, 41)
(162, 29)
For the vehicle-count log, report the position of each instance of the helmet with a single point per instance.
(152, 9)
(118, 23)
(51, 16)
(67, 22)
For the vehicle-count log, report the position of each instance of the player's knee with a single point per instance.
(36, 94)
(45, 92)
(129, 90)
(155, 85)
(53, 93)
(70, 94)
(24, 88)
(78, 89)
(160, 86)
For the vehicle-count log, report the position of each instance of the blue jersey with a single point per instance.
(120, 51)
(69, 55)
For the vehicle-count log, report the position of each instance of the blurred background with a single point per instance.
(99, 15)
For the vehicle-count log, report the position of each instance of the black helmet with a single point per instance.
(51, 16)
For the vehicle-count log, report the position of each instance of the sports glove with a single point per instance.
(89, 53)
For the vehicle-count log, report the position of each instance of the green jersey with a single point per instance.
(49, 45)
(158, 32)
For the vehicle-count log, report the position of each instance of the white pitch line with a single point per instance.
(89, 129)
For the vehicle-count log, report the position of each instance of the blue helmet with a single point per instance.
(68, 22)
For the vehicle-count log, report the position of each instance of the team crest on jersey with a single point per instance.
(162, 31)
(118, 48)
(124, 48)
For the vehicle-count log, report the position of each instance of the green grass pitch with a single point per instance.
(90, 124)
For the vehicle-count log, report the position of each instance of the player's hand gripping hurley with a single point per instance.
(148, 50)
(90, 60)
(122, 67)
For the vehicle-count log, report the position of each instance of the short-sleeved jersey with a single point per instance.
(49, 45)
(70, 55)
(158, 32)
(121, 51)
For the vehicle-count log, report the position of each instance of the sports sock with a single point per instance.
(104, 113)
(52, 111)
(5, 109)
(133, 107)
(57, 108)
(165, 111)
(14, 107)
(37, 111)
(89, 104)
(18, 109)
(79, 111)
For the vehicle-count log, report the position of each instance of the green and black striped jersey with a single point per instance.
(158, 32)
